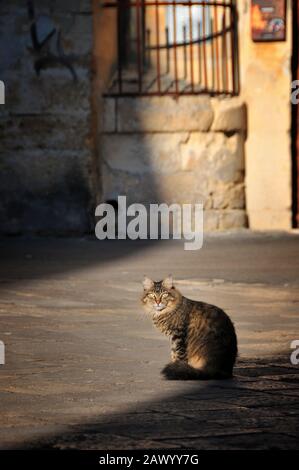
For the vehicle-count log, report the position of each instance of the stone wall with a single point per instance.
(152, 149)
(46, 147)
(158, 149)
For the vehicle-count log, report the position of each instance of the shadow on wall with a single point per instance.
(47, 150)
(124, 158)
(164, 149)
(65, 149)
(50, 169)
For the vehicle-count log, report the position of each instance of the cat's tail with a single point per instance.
(183, 371)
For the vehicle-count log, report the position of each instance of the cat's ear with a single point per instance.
(168, 282)
(147, 283)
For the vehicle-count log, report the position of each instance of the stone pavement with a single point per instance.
(83, 361)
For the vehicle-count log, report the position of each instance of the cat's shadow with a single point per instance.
(198, 414)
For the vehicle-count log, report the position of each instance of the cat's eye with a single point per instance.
(151, 296)
(165, 294)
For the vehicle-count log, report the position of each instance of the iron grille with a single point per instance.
(175, 48)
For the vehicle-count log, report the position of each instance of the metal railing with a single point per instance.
(175, 48)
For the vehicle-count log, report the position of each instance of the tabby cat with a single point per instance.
(204, 342)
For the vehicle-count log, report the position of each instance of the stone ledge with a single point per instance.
(164, 114)
(139, 154)
(229, 114)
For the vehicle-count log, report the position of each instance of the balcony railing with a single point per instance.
(175, 48)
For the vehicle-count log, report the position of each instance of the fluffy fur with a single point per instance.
(204, 342)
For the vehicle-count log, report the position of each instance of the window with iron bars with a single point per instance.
(175, 48)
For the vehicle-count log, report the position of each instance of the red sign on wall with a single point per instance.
(268, 20)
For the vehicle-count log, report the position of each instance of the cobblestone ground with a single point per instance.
(83, 361)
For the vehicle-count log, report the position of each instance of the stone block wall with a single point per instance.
(46, 148)
(158, 149)
(152, 149)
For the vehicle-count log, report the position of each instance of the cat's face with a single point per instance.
(159, 295)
